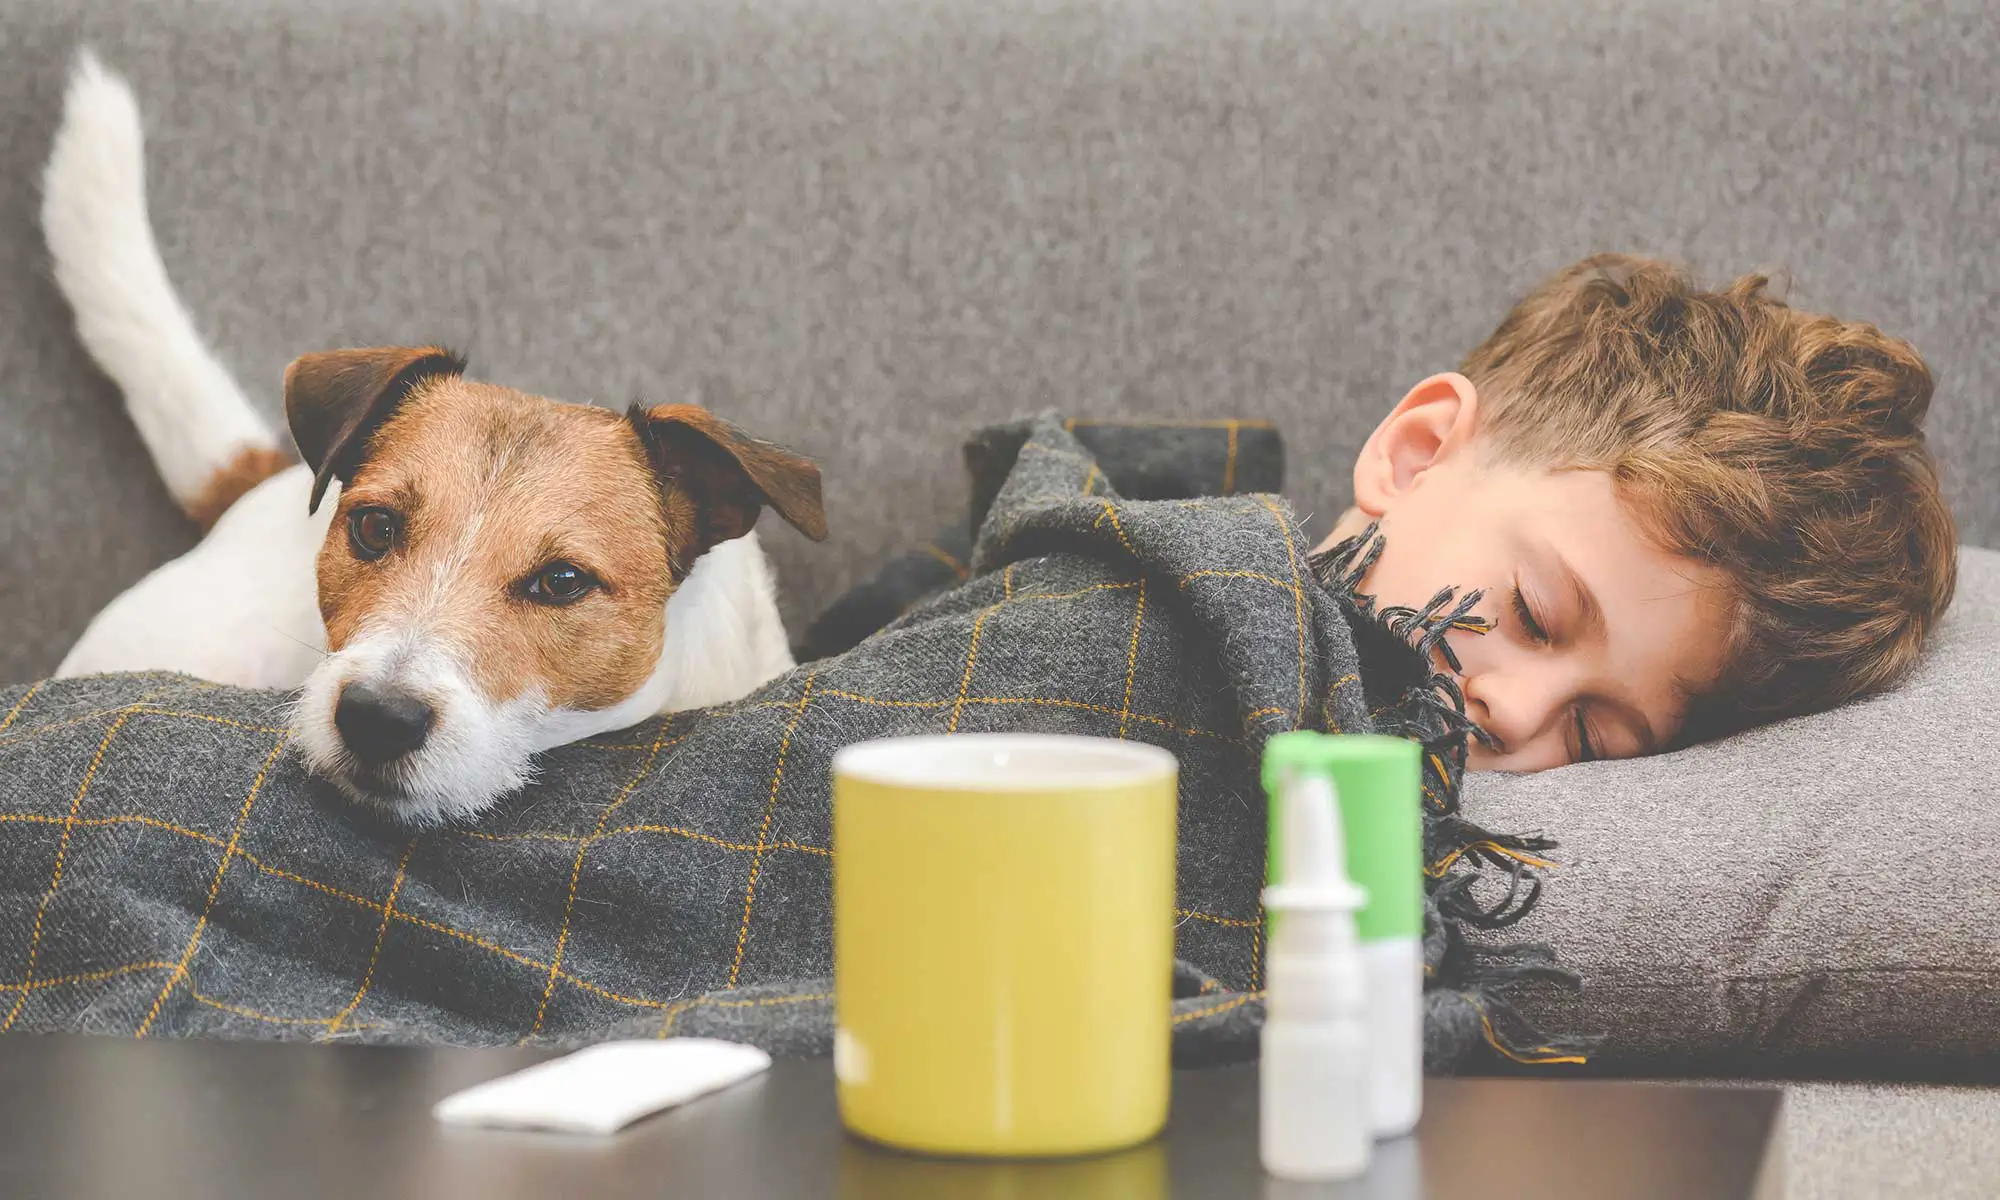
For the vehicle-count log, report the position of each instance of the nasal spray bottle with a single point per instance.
(1341, 956)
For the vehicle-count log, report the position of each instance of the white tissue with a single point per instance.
(605, 1087)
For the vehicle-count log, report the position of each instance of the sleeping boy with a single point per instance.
(1690, 512)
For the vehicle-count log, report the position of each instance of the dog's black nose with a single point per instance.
(379, 725)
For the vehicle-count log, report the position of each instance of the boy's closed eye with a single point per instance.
(1584, 747)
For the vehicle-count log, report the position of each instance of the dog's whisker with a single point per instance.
(290, 637)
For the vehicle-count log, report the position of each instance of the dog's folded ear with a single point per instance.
(336, 400)
(729, 475)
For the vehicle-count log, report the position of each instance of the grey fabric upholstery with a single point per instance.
(888, 221)
(1848, 1141)
(1813, 896)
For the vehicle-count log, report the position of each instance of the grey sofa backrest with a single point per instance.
(884, 221)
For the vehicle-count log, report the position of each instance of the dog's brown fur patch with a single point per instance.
(495, 485)
(742, 472)
(249, 467)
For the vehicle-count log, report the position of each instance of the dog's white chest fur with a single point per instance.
(241, 608)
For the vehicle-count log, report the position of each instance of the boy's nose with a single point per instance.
(1495, 742)
(1515, 706)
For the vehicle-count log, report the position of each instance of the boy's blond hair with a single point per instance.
(1781, 446)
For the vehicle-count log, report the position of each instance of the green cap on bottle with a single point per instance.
(1380, 784)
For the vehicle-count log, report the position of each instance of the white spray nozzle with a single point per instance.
(1312, 851)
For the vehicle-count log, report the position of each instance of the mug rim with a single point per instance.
(909, 761)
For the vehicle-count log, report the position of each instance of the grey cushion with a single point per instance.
(1814, 896)
(888, 222)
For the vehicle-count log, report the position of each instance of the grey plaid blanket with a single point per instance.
(168, 869)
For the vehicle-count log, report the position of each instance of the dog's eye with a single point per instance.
(372, 531)
(560, 583)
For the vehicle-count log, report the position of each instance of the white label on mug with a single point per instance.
(850, 1057)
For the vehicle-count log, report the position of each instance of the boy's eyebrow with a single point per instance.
(1649, 741)
(1589, 615)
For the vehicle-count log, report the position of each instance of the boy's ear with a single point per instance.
(1435, 420)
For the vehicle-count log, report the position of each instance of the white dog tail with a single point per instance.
(208, 441)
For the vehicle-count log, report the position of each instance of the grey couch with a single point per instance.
(885, 221)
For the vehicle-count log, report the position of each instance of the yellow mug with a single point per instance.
(1003, 942)
(868, 1173)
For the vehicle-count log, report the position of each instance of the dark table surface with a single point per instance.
(91, 1117)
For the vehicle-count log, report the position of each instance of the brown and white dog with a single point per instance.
(457, 576)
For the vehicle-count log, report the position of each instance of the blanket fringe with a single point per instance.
(1467, 984)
